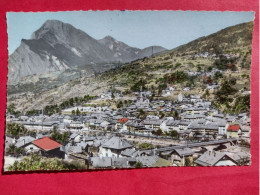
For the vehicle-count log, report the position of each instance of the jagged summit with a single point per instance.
(57, 46)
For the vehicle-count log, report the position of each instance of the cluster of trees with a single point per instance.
(77, 112)
(145, 146)
(12, 110)
(14, 151)
(173, 114)
(246, 63)
(17, 130)
(224, 63)
(242, 104)
(62, 138)
(52, 109)
(33, 112)
(121, 104)
(139, 85)
(208, 80)
(142, 114)
(173, 133)
(226, 89)
(218, 75)
(177, 77)
(35, 162)
(159, 132)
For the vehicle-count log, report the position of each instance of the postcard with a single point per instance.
(128, 89)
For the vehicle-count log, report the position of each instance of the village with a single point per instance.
(141, 132)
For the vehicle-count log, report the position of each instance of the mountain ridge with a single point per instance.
(58, 46)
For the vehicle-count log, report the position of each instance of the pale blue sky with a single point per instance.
(135, 28)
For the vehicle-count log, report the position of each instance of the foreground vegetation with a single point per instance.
(36, 163)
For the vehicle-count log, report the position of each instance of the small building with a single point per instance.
(48, 147)
(233, 131)
(180, 97)
(214, 158)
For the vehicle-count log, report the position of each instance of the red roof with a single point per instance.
(46, 143)
(233, 128)
(122, 120)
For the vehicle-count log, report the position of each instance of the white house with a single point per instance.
(113, 147)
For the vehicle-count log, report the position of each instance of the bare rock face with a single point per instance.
(58, 46)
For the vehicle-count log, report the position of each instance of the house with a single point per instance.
(109, 162)
(47, 147)
(23, 141)
(171, 87)
(195, 98)
(9, 141)
(101, 162)
(180, 97)
(75, 137)
(152, 124)
(153, 161)
(121, 124)
(222, 127)
(212, 87)
(75, 125)
(170, 125)
(177, 156)
(142, 103)
(77, 149)
(214, 158)
(113, 147)
(104, 125)
(233, 131)
(183, 125)
(186, 89)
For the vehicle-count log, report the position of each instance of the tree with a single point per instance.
(120, 104)
(142, 114)
(113, 95)
(62, 138)
(206, 94)
(218, 75)
(174, 133)
(73, 112)
(188, 161)
(159, 132)
(138, 165)
(77, 112)
(161, 114)
(210, 68)
(15, 130)
(176, 115)
(199, 68)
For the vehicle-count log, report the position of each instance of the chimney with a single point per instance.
(23, 141)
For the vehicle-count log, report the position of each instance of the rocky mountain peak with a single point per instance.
(56, 46)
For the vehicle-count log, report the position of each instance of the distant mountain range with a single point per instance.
(58, 46)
